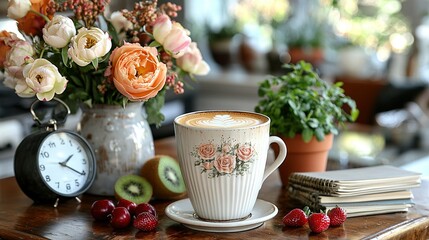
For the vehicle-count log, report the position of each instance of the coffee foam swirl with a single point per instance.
(222, 121)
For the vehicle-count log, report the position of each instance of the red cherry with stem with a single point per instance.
(130, 206)
(145, 207)
(101, 209)
(121, 218)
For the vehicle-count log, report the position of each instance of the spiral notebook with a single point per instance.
(355, 181)
(361, 191)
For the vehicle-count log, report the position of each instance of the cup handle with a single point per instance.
(279, 159)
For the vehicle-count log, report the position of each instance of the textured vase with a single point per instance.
(121, 139)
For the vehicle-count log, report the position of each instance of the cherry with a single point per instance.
(121, 218)
(145, 207)
(130, 206)
(101, 209)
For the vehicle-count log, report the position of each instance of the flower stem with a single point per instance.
(41, 15)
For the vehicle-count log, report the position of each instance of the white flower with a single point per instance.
(19, 55)
(88, 45)
(192, 61)
(17, 9)
(44, 79)
(119, 22)
(59, 31)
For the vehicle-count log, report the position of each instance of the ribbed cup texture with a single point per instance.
(227, 197)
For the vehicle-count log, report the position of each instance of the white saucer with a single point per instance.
(182, 211)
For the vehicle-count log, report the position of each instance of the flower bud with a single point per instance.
(58, 32)
(192, 61)
(119, 22)
(18, 8)
(172, 36)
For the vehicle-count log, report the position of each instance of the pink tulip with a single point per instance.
(192, 61)
(172, 36)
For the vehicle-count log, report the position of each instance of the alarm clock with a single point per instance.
(53, 164)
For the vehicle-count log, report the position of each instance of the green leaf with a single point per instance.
(65, 57)
(153, 109)
(307, 135)
(300, 102)
(112, 33)
(95, 63)
(155, 44)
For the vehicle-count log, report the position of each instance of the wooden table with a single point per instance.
(21, 219)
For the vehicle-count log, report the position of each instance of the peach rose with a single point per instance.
(245, 152)
(206, 151)
(32, 24)
(136, 71)
(224, 163)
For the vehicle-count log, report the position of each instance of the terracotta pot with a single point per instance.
(314, 56)
(304, 157)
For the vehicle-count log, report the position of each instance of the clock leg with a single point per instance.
(56, 203)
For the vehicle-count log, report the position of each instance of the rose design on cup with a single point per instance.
(224, 163)
(206, 151)
(226, 158)
(245, 152)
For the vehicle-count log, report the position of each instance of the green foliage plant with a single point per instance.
(300, 102)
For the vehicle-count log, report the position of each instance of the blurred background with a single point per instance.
(378, 48)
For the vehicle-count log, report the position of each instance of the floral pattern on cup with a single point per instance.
(226, 158)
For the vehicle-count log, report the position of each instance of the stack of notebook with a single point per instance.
(361, 191)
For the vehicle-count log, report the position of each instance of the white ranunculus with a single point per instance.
(192, 61)
(58, 32)
(19, 55)
(44, 79)
(119, 22)
(17, 9)
(88, 45)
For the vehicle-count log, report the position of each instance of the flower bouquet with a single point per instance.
(78, 51)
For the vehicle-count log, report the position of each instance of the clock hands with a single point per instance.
(64, 164)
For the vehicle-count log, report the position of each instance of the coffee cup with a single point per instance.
(222, 156)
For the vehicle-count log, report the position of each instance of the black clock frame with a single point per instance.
(27, 173)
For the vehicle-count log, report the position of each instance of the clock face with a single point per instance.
(65, 163)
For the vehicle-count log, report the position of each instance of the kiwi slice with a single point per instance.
(133, 188)
(163, 172)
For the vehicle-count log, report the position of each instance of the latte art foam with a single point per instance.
(222, 120)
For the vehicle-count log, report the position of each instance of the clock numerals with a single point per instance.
(44, 154)
(47, 178)
(76, 182)
(83, 161)
(42, 167)
(79, 150)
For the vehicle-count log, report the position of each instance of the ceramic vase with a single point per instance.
(121, 139)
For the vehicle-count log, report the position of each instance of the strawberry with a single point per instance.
(295, 218)
(338, 216)
(145, 221)
(318, 222)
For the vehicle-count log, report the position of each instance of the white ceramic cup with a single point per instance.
(222, 156)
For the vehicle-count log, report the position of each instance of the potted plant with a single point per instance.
(305, 112)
